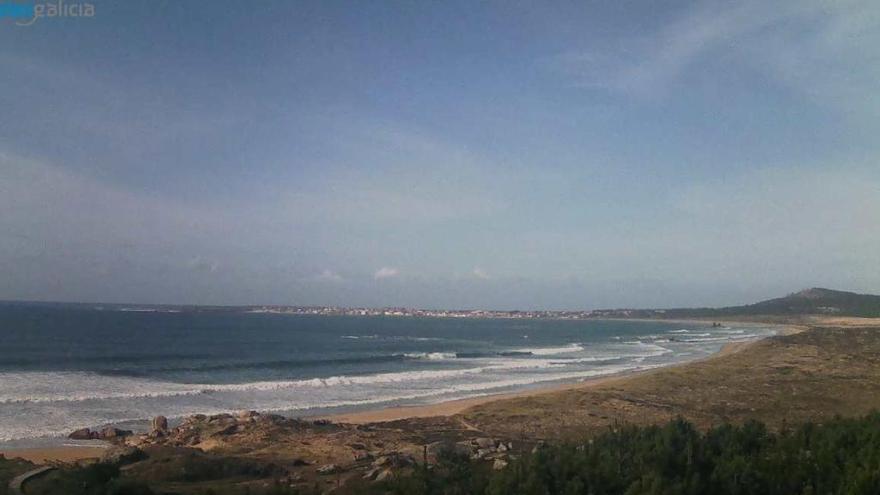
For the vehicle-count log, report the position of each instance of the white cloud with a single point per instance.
(386, 272)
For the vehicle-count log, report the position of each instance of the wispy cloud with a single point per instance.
(822, 50)
(386, 272)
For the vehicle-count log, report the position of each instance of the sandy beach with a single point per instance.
(453, 407)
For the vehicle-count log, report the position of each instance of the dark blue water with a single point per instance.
(65, 368)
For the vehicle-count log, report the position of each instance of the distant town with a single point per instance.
(455, 313)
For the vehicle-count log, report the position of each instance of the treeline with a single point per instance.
(841, 456)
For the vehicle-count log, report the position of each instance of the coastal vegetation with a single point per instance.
(840, 456)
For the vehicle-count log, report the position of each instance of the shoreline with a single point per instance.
(458, 406)
(71, 453)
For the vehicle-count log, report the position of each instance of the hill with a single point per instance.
(815, 301)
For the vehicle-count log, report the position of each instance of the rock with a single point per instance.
(276, 419)
(247, 415)
(82, 434)
(484, 443)
(159, 423)
(363, 456)
(502, 447)
(322, 422)
(137, 440)
(499, 464)
(328, 469)
(395, 459)
(111, 433)
(120, 456)
(482, 453)
(229, 430)
(384, 475)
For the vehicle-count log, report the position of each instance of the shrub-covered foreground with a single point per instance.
(841, 456)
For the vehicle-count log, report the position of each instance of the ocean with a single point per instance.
(63, 368)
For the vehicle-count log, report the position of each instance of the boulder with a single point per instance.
(247, 415)
(384, 475)
(362, 456)
(499, 464)
(484, 443)
(159, 423)
(82, 434)
(220, 418)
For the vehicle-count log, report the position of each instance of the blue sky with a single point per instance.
(441, 154)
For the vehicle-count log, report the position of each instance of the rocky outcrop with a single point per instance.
(159, 423)
(110, 434)
(83, 434)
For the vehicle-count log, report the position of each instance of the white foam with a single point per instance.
(60, 426)
(551, 351)
(434, 356)
(36, 387)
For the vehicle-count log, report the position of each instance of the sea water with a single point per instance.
(63, 368)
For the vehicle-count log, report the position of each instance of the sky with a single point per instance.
(502, 155)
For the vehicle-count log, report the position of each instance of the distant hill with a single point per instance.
(815, 301)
